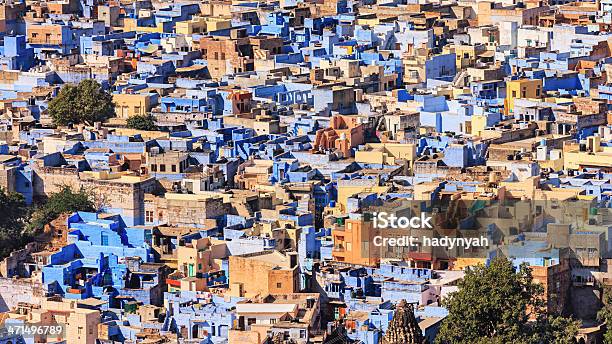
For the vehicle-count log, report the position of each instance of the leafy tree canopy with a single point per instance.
(501, 304)
(64, 201)
(605, 314)
(84, 103)
(14, 214)
(141, 122)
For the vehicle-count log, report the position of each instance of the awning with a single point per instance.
(149, 49)
(193, 68)
(488, 53)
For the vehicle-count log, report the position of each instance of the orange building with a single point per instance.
(352, 242)
(45, 34)
(241, 99)
(343, 134)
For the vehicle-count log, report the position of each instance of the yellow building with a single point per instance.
(202, 24)
(465, 55)
(369, 21)
(386, 153)
(462, 263)
(128, 105)
(478, 124)
(521, 89)
(593, 155)
(146, 135)
(214, 24)
(80, 323)
(131, 24)
(191, 26)
(553, 160)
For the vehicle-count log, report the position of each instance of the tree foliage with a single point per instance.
(501, 304)
(85, 103)
(605, 314)
(64, 201)
(141, 122)
(14, 214)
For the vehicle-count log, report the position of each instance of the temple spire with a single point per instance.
(403, 328)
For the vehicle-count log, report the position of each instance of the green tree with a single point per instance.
(14, 214)
(85, 103)
(141, 122)
(559, 330)
(501, 304)
(64, 201)
(605, 314)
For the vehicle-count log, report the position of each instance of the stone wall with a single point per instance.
(13, 291)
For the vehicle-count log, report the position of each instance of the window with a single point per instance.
(173, 168)
(279, 285)
(148, 216)
(251, 321)
(104, 239)
(199, 266)
(162, 168)
(154, 168)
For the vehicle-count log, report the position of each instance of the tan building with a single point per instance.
(490, 13)
(80, 324)
(8, 172)
(128, 105)
(227, 55)
(593, 154)
(262, 273)
(197, 257)
(118, 192)
(253, 173)
(176, 209)
(295, 317)
(387, 153)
